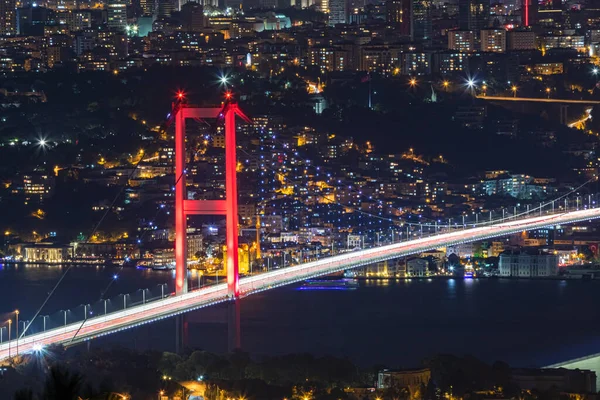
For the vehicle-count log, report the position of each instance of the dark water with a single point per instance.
(523, 322)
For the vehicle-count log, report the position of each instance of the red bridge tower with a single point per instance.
(227, 207)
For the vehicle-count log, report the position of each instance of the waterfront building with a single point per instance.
(42, 252)
(528, 264)
(126, 249)
(461, 250)
(417, 268)
(163, 257)
(403, 378)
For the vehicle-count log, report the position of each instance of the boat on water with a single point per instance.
(164, 267)
(330, 284)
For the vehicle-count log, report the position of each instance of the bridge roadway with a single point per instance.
(170, 306)
(537, 100)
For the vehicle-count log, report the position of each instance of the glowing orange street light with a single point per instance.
(446, 84)
(548, 90)
(412, 82)
(514, 89)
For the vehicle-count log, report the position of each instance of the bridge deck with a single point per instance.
(167, 307)
(537, 100)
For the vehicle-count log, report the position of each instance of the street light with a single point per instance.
(9, 329)
(548, 90)
(17, 313)
(223, 80)
(44, 319)
(42, 143)
(446, 84)
(162, 290)
(514, 89)
(412, 82)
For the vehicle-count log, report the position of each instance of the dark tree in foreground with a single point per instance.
(62, 384)
(24, 394)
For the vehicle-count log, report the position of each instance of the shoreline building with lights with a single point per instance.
(528, 264)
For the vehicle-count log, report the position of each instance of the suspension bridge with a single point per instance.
(93, 325)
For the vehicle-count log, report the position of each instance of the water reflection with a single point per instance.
(522, 322)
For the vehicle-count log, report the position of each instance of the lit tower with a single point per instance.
(227, 207)
(529, 12)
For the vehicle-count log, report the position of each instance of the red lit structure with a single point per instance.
(227, 207)
(529, 12)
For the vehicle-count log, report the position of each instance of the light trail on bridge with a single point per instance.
(153, 311)
(536, 100)
(579, 123)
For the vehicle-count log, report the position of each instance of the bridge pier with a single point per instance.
(181, 333)
(234, 341)
(563, 115)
